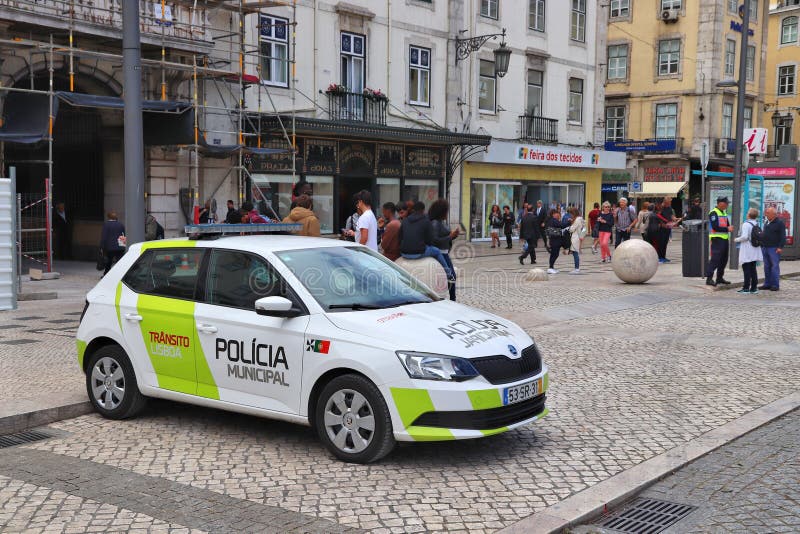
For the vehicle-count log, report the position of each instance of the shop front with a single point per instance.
(616, 185)
(511, 174)
(664, 178)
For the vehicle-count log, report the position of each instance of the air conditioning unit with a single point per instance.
(722, 146)
(670, 15)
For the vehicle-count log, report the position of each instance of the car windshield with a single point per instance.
(353, 278)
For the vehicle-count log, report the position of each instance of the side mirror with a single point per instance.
(276, 307)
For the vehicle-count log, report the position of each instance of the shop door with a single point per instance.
(347, 188)
(484, 196)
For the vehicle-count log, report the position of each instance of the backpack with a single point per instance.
(756, 235)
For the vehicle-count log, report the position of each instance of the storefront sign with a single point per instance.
(613, 188)
(646, 145)
(390, 161)
(737, 27)
(676, 173)
(260, 163)
(320, 156)
(772, 171)
(424, 162)
(356, 159)
(507, 152)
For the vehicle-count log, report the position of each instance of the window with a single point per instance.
(575, 111)
(166, 272)
(669, 57)
(274, 44)
(489, 8)
(748, 117)
(419, 75)
(486, 87)
(577, 25)
(753, 10)
(783, 134)
(533, 103)
(615, 123)
(666, 121)
(730, 57)
(239, 279)
(727, 120)
(618, 62)
(733, 6)
(671, 4)
(536, 15)
(751, 63)
(786, 76)
(789, 30)
(620, 8)
(354, 68)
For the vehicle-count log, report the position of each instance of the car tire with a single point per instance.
(353, 421)
(111, 384)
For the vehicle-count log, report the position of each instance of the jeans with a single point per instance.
(622, 236)
(576, 257)
(555, 251)
(750, 276)
(605, 250)
(451, 284)
(435, 253)
(719, 258)
(772, 269)
(508, 239)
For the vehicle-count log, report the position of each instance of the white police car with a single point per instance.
(314, 331)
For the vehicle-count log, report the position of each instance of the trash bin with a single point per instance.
(695, 236)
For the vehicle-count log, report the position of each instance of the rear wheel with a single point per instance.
(353, 421)
(111, 384)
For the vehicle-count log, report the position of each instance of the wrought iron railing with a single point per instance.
(347, 106)
(535, 128)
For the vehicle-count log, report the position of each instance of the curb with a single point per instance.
(24, 420)
(594, 501)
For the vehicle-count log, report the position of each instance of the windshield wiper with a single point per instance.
(407, 302)
(353, 306)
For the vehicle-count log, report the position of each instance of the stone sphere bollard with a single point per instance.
(428, 271)
(536, 275)
(635, 261)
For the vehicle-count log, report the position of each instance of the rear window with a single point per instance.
(166, 272)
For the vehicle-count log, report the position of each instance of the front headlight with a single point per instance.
(436, 367)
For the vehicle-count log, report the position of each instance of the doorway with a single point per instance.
(347, 188)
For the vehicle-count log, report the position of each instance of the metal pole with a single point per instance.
(737, 165)
(703, 211)
(48, 234)
(134, 140)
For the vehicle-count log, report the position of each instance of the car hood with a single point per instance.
(442, 327)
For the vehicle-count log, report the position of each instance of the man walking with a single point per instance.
(773, 240)
(623, 222)
(529, 231)
(541, 218)
(719, 240)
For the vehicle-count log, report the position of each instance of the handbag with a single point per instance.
(101, 261)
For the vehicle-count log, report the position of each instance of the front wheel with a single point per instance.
(111, 384)
(353, 421)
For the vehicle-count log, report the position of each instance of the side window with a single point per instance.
(238, 279)
(166, 272)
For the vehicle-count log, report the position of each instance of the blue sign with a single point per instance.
(737, 27)
(646, 145)
(613, 188)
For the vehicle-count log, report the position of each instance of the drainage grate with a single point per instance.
(21, 438)
(646, 516)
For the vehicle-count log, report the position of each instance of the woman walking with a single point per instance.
(555, 235)
(443, 238)
(112, 241)
(593, 215)
(605, 224)
(495, 223)
(749, 254)
(577, 232)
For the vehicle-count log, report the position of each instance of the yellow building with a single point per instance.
(664, 61)
(781, 95)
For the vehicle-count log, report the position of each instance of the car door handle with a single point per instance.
(132, 317)
(207, 328)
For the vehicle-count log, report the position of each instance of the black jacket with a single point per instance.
(555, 240)
(416, 232)
(508, 223)
(441, 235)
(234, 216)
(774, 234)
(529, 227)
(110, 234)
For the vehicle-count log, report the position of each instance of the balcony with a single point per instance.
(180, 23)
(535, 128)
(365, 107)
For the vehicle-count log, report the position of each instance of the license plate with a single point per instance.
(521, 392)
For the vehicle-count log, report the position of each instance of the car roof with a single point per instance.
(261, 243)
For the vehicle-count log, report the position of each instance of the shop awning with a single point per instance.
(655, 189)
(26, 117)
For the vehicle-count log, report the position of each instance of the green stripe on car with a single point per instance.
(483, 399)
(81, 345)
(429, 433)
(411, 403)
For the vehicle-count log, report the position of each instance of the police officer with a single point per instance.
(719, 237)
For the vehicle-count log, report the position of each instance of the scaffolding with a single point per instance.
(221, 64)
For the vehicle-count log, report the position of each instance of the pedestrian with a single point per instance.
(719, 241)
(605, 224)
(402, 210)
(303, 214)
(541, 218)
(695, 210)
(366, 232)
(670, 220)
(640, 225)
(152, 229)
(443, 238)
(749, 253)
(508, 225)
(351, 224)
(390, 242)
(555, 235)
(251, 215)
(593, 215)
(416, 239)
(62, 233)
(112, 241)
(302, 187)
(206, 216)
(624, 218)
(529, 232)
(577, 232)
(495, 224)
(773, 240)
(233, 216)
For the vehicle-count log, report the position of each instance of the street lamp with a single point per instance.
(502, 54)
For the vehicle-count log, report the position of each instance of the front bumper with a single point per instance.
(439, 411)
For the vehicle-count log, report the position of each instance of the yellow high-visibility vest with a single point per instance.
(723, 222)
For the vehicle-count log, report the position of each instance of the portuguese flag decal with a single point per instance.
(318, 345)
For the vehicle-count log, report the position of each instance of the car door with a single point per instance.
(254, 360)
(156, 314)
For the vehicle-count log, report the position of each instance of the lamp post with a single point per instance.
(502, 54)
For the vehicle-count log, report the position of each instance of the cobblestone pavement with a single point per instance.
(749, 485)
(633, 374)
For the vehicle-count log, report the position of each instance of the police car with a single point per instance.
(313, 331)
